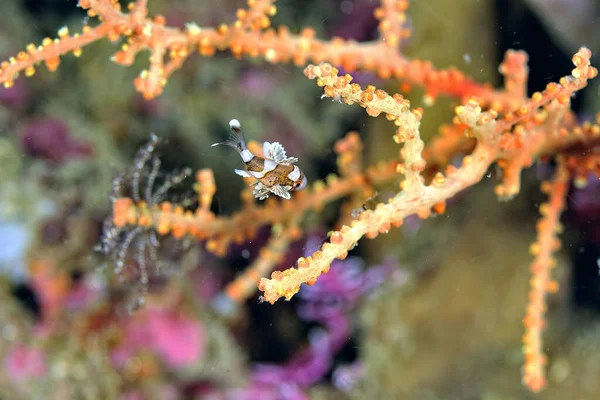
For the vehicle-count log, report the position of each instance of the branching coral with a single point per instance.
(250, 35)
(129, 214)
(514, 141)
(503, 127)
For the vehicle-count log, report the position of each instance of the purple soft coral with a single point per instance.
(50, 139)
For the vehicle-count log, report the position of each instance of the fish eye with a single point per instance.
(300, 185)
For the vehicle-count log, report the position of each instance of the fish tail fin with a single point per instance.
(236, 137)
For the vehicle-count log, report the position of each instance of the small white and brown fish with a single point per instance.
(275, 173)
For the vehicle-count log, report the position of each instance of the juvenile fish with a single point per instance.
(276, 173)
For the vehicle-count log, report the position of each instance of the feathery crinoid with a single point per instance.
(135, 248)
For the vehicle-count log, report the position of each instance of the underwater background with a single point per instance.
(432, 310)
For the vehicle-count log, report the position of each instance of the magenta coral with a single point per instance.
(178, 340)
(23, 363)
(50, 139)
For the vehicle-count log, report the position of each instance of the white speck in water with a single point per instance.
(346, 7)
(245, 254)
(467, 58)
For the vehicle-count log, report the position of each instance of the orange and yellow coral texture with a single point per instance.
(505, 130)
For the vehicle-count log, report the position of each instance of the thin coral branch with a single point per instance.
(269, 257)
(49, 52)
(392, 21)
(350, 163)
(453, 140)
(540, 124)
(205, 189)
(376, 101)
(534, 375)
(515, 72)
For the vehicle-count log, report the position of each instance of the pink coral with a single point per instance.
(24, 363)
(177, 339)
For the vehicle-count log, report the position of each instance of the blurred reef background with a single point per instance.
(430, 311)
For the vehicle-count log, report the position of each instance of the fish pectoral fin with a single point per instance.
(281, 191)
(260, 191)
(242, 173)
(276, 152)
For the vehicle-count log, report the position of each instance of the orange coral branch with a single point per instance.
(452, 140)
(270, 256)
(534, 375)
(392, 19)
(370, 223)
(222, 231)
(376, 101)
(205, 188)
(49, 52)
(250, 35)
(349, 164)
(515, 71)
(416, 198)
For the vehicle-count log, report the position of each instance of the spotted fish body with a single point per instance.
(275, 173)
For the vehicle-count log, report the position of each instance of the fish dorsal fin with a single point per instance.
(275, 151)
(267, 149)
(243, 173)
